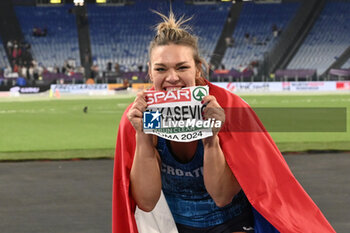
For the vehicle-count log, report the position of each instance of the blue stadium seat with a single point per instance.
(346, 65)
(3, 57)
(257, 20)
(61, 42)
(327, 40)
(121, 34)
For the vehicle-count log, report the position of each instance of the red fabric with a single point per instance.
(253, 158)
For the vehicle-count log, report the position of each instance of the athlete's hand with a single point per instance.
(214, 111)
(135, 114)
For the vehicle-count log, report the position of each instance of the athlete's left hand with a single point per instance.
(214, 111)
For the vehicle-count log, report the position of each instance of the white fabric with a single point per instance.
(159, 220)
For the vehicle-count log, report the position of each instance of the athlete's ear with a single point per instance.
(149, 71)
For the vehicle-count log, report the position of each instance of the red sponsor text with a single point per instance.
(158, 97)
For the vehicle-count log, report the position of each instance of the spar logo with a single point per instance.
(159, 97)
(199, 93)
(151, 120)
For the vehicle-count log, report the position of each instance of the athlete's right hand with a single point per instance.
(135, 114)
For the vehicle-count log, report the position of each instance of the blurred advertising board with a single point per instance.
(29, 89)
(308, 86)
(344, 85)
(115, 86)
(79, 88)
(230, 86)
(284, 86)
(141, 86)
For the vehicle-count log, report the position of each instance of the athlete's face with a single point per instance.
(172, 67)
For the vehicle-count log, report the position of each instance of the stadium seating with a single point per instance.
(257, 20)
(346, 65)
(121, 34)
(61, 41)
(3, 57)
(327, 40)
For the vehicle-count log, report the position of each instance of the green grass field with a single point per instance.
(59, 129)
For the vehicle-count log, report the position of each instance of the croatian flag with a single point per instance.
(280, 203)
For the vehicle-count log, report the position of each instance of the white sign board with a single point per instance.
(177, 115)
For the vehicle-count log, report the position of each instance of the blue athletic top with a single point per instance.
(186, 195)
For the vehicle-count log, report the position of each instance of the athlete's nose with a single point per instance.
(172, 76)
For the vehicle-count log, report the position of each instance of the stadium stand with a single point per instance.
(346, 65)
(327, 40)
(61, 40)
(121, 34)
(3, 57)
(253, 35)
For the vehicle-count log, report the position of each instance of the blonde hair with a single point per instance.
(172, 31)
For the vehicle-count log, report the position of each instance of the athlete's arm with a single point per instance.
(145, 179)
(219, 180)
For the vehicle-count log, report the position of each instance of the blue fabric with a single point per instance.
(261, 225)
(185, 192)
(21, 81)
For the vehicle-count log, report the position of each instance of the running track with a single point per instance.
(75, 196)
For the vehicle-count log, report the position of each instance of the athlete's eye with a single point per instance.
(159, 69)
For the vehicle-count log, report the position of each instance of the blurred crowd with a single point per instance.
(19, 53)
(38, 32)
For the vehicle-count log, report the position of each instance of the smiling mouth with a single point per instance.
(172, 88)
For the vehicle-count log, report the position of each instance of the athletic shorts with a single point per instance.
(241, 223)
